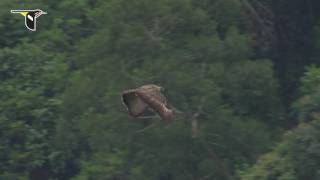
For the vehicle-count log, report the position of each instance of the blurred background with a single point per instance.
(249, 68)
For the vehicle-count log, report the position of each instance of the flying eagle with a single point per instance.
(138, 100)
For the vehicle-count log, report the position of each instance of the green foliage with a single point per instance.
(297, 157)
(307, 106)
(29, 80)
(32, 73)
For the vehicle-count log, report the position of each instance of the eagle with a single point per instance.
(150, 96)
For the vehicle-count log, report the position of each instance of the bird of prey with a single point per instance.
(138, 100)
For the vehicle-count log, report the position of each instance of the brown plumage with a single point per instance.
(139, 99)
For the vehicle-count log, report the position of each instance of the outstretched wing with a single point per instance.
(156, 101)
(154, 91)
(138, 100)
(133, 102)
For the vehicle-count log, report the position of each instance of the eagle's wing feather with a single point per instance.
(156, 102)
(147, 96)
(134, 103)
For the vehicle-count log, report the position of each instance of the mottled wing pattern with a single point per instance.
(155, 92)
(137, 100)
(133, 102)
(152, 96)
